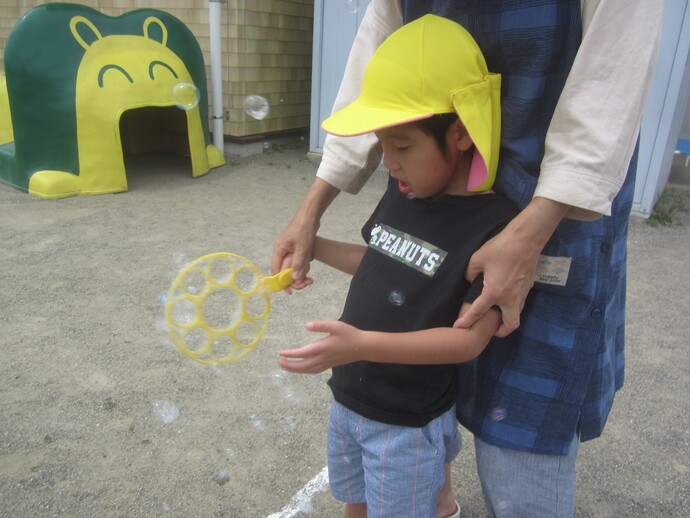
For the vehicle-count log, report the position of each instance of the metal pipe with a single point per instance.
(216, 70)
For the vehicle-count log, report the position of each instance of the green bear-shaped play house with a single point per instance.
(81, 88)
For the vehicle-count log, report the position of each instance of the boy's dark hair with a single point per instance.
(436, 126)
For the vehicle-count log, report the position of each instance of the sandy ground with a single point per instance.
(99, 416)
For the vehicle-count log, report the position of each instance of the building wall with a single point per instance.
(266, 44)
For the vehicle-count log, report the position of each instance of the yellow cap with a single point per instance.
(430, 66)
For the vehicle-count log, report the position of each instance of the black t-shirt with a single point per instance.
(412, 278)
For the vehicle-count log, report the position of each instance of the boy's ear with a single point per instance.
(462, 137)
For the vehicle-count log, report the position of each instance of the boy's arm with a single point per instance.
(336, 254)
(346, 344)
(341, 256)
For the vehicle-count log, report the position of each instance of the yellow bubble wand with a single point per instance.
(217, 307)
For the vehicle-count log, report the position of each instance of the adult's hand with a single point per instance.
(509, 262)
(293, 247)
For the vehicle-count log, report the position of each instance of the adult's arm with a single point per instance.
(594, 128)
(347, 162)
(588, 148)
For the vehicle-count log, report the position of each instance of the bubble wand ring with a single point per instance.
(217, 307)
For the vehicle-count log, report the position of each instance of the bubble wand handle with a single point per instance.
(279, 281)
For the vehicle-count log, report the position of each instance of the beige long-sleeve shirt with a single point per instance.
(594, 128)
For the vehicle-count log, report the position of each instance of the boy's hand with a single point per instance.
(299, 284)
(338, 348)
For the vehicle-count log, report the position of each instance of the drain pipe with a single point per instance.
(216, 69)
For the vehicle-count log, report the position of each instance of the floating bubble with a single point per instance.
(184, 312)
(498, 414)
(194, 282)
(160, 324)
(186, 96)
(351, 6)
(165, 411)
(256, 106)
(222, 478)
(259, 424)
(286, 383)
(180, 259)
(196, 339)
(396, 297)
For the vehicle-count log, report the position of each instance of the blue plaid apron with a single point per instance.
(559, 371)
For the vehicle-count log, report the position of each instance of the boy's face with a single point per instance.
(416, 162)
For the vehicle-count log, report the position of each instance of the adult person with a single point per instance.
(575, 78)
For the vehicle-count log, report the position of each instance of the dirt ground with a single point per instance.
(101, 416)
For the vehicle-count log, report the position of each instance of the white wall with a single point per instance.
(335, 28)
(666, 107)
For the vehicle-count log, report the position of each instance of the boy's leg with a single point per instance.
(345, 470)
(405, 467)
(355, 511)
(527, 485)
(446, 504)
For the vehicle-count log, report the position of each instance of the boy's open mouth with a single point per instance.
(405, 188)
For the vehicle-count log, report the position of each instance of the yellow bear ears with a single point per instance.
(74, 22)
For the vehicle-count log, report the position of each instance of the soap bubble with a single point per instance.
(222, 478)
(396, 297)
(161, 324)
(259, 424)
(180, 259)
(351, 6)
(286, 382)
(498, 414)
(256, 106)
(290, 422)
(184, 312)
(186, 96)
(165, 411)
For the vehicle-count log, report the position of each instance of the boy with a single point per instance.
(434, 107)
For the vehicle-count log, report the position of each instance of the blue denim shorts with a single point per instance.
(395, 470)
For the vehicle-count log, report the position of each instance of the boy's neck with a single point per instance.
(458, 183)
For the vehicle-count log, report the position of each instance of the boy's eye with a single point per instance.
(402, 148)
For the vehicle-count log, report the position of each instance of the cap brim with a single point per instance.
(357, 119)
